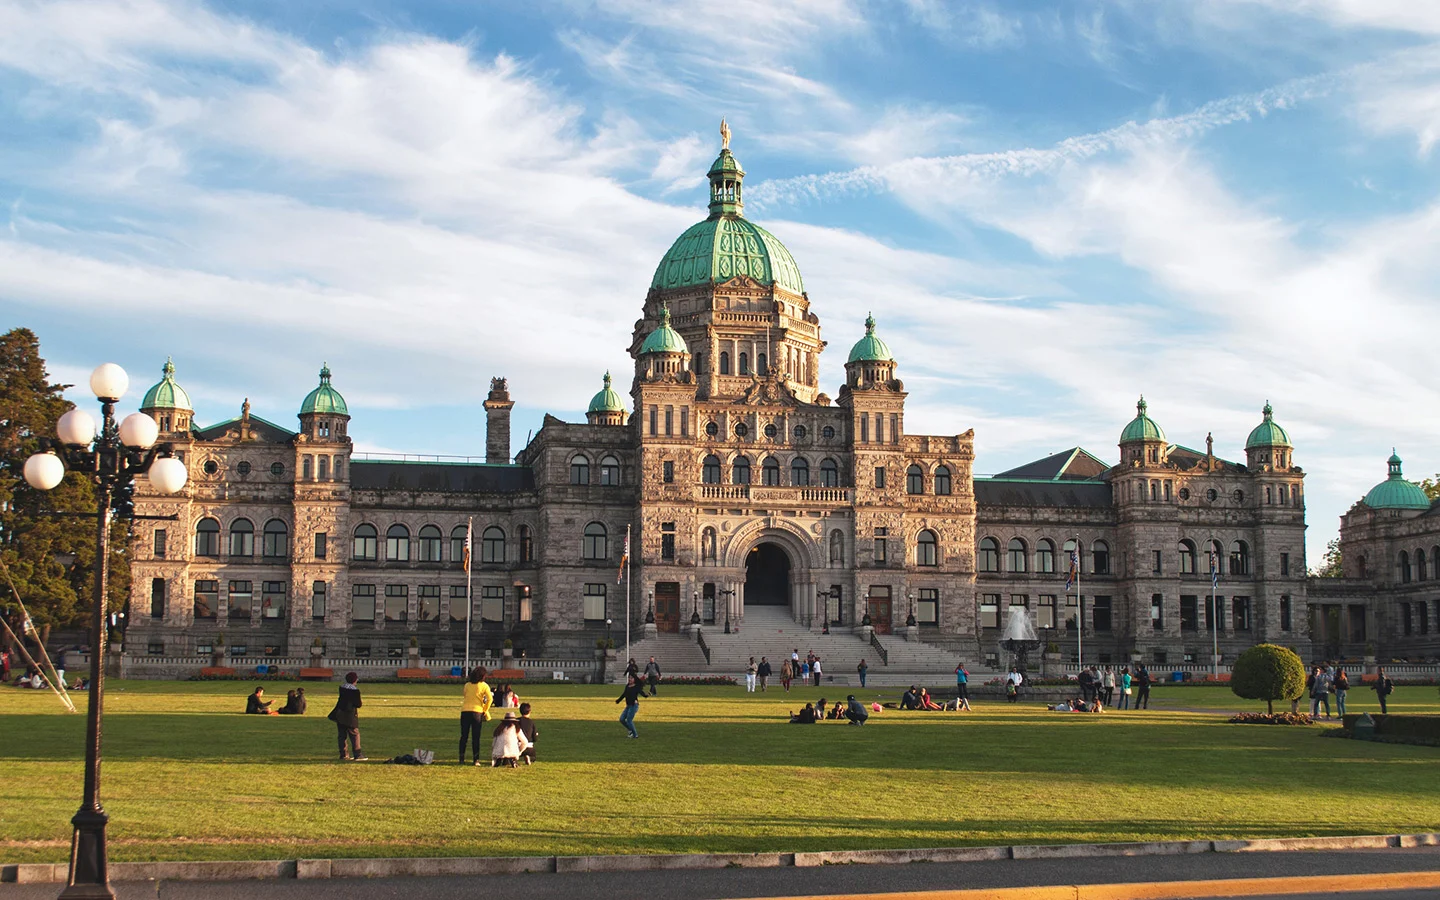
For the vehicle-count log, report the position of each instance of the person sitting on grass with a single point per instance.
(294, 703)
(509, 743)
(837, 711)
(256, 704)
(531, 731)
(926, 702)
(806, 716)
(911, 698)
(855, 711)
(503, 696)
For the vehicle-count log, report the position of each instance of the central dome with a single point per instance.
(726, 244)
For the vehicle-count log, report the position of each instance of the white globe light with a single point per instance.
(44, 471)
(168, 475)
(139, 430)
(76, 427)
(109, 381)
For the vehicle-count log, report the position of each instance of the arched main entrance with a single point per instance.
(767, 576)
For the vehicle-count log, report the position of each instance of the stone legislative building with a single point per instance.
(744, 484)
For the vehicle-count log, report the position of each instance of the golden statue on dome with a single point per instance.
(724, 135)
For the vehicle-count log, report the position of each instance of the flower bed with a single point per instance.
(698, 679)
(1272, 719)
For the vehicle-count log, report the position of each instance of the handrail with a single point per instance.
(879, 648)
(704, 647)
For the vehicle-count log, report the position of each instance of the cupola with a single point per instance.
(1268, 444)
(606, 407)
(323, 414)
(1395, 492)
(1143, 440)
(664, 351)
(167, 403)
(870, 363)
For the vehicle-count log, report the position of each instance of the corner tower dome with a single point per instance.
(870, 348)
(324, 399)
(727, 244)
(1267, 433)
(1142, 427)
(167, 394)
(606, 401)
(664, 339)
(1395, 492)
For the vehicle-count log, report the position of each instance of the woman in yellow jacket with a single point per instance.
(474, 713)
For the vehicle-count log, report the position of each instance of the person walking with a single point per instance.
(1319, 692)
(631, 696)
(1341, 686)
(962, 688)
(862, 669)
(633, 669)
(1383, 687)
(787, 674)
(750, 671)
(762, 671)
(652, 675)
(346, 716)
(815, 672)
(1107, 681)
(1142, 695)
(474, 712)
(1124, 686)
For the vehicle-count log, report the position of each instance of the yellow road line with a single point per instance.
(1168, 890)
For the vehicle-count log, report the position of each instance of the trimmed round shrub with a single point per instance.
(1268, 672)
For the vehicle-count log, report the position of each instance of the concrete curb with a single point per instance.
(55, 873)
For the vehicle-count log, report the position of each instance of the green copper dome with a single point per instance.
(870, 348)
(1142, 427)
(1395, 492)
(664, 339)
(1267, 433)
(324, 399)
(167, 394)
(726, 244)
(607, 400)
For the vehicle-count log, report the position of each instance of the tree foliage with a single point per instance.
(1431, 486)
(1332, 565)
(1268, 672)
(31, 535)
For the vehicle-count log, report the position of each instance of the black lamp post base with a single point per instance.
(89, 879)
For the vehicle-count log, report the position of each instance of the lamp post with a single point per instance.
(727, 594)
(111, 454)
(695, 609)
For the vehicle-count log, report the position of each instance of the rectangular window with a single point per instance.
(207, 599)
(157, 598)
(668, 470)
(667, 540)
(1284, 564)
(160, 543)
(397, 602)
(522, 602)
(458, 603)
(1167, 491)
(879, 428)
(864, 429)
(1215, 613)
(1100, 613)
(927, 610)
(707, 603)
(1285, 614)
(654, 419)
(272, 600)
(669, 421)
(1189, 613)
(428, 608)
(317, 600)
(156, 649)
(684, 421)
(834, 605)
(1240, 613)
(320, 538)
(594, 603)
(1157, 562)
(1407, 620)
(1157, 612)
(990, 611)
(882, 551)
(362, 603)
(894, 428)
(879, 478)
(1045, 612)
(492, 603)
(241, 598)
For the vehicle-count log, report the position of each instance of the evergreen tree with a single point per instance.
(1333, 564)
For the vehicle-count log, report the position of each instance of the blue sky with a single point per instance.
(1051, 208)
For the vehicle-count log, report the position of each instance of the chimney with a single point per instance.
(497, 423)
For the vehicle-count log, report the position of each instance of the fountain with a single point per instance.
(1020, 637)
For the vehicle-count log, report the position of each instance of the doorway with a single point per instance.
(667, 606)
(767, 576)
(878, 605)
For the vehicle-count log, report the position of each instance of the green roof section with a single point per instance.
(167, 394)
(870, 348)
(324, 399)
(1142, 427)
(1267, 433)
(1395, 492)
(607, 400)
(663, 339)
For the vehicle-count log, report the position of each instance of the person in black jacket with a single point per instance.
(295, 703)
(631, 696)
(652, 675)
(346, 717)
(855, 711)
(256, 704)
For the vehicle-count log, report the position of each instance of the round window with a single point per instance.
(211, 467)
(800, 432)
(1212, 494)
(770, 431)
(277, 468)
(1184, 493)
(742, 429)
(828, 433)
(243, 468)
(712, 429)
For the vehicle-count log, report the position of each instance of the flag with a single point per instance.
(1073, 572)
(624, 557)
(1214, 571)
(469, 529)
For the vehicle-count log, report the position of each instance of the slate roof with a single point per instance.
(468, 478)
(1043, 493)
(1067, 465)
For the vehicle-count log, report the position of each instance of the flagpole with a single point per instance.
(1079, 607)
(469, 591)
(1214, 614)
(628, 569)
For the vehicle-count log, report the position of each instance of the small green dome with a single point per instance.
(1142, 427)
(324, 399)
(607, 400)
(664, 339)
(1267, 433)
(167, 394)
(870, 348)
(1395, 492)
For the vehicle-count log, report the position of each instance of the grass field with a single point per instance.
(187, 777)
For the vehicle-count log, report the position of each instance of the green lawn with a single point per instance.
(187, 777)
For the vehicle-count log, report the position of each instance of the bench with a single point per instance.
(317, 673)
(217, 670)
(412, 673)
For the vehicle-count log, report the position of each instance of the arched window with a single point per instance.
(609, 471)
(457, 543)
(527, 545)
(740, 470)
(1045, 556)
(927, 551)
(744, 364)
(914, 480)
(710, 471)
(989, 555)
(724, 363)
(829, 473)
(366, 544)
(207, 538)
(397, 543)
(307, 468)
(1239, 558)
(1404, 562)
(579, 470)
(597, 545)
(762, 365)
(1100, 558)
(430, 544)
(1016, 556)
(1360, 567)
(492, 545)
(1216, 557)
(707, 545)
(799, 472)
(1268, 495)
(1187, 558)
(324, 467)
(837, 548)
(276, 542)
(770, 471)
(242, 538)
(942, 480)
(1419, 565)
(1072, 558)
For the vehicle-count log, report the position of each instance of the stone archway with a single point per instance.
(767, 575)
